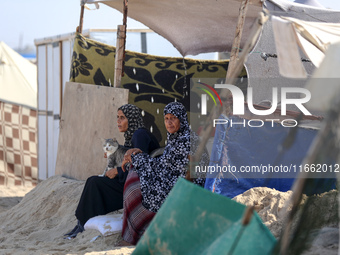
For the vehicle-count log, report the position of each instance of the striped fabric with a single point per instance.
(18, 145)
(136, 217)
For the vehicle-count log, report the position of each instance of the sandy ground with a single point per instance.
(273, 207)
(33, 220)
(36, 224)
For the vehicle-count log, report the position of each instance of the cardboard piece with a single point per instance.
(89, 113)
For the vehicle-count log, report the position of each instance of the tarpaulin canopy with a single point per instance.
(18, 78)
(192, 26)
(256, 156)
(312, 37)
(198, 26)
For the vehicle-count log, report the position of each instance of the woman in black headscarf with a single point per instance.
(152, 179)
(102, 195)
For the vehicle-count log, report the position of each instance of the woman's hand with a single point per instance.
(127, 156)
(112, 173)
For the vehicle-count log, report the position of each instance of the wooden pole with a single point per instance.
(319, 144)
(237, 39)
(60, 78)
(80, 28)
(216, 111)
(254, 34)
(125, 10)
(234, 53)
(120, 49)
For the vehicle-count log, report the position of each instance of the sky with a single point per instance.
(23, 21)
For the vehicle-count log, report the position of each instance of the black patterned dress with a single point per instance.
(102, 195)
(152, 179)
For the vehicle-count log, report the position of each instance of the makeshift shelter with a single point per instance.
(178, 78)
(18, 119)
(193, 29)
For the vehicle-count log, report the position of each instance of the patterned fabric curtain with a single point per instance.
(18, 145)
(152, 81)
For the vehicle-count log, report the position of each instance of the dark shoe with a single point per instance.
(75, 233)
(72, 231)
(77, 229)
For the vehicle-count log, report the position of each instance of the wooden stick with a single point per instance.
(237, 39)
(120, 49)
(300, 182)
(217, 110)
(60, 78)
(254, 34)
(80, 28)
(125, 10)
(247, 215)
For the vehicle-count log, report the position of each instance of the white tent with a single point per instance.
(18, 119)
(312, 37)
(18, 78)
(263, 73)
(310, 2)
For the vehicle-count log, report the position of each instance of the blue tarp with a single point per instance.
(253, 157)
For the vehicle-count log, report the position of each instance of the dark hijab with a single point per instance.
(159, 175)
(135, 121)
(180, 112)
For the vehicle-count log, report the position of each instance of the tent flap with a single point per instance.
(192, 26)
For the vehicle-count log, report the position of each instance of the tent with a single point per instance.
(18, 117)
(263, 71)
(195, 27)
(192, 26)
(17, 74)
(179, 26)
(310, 2)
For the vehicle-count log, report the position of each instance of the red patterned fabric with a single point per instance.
(136, 217)
(18, 145)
